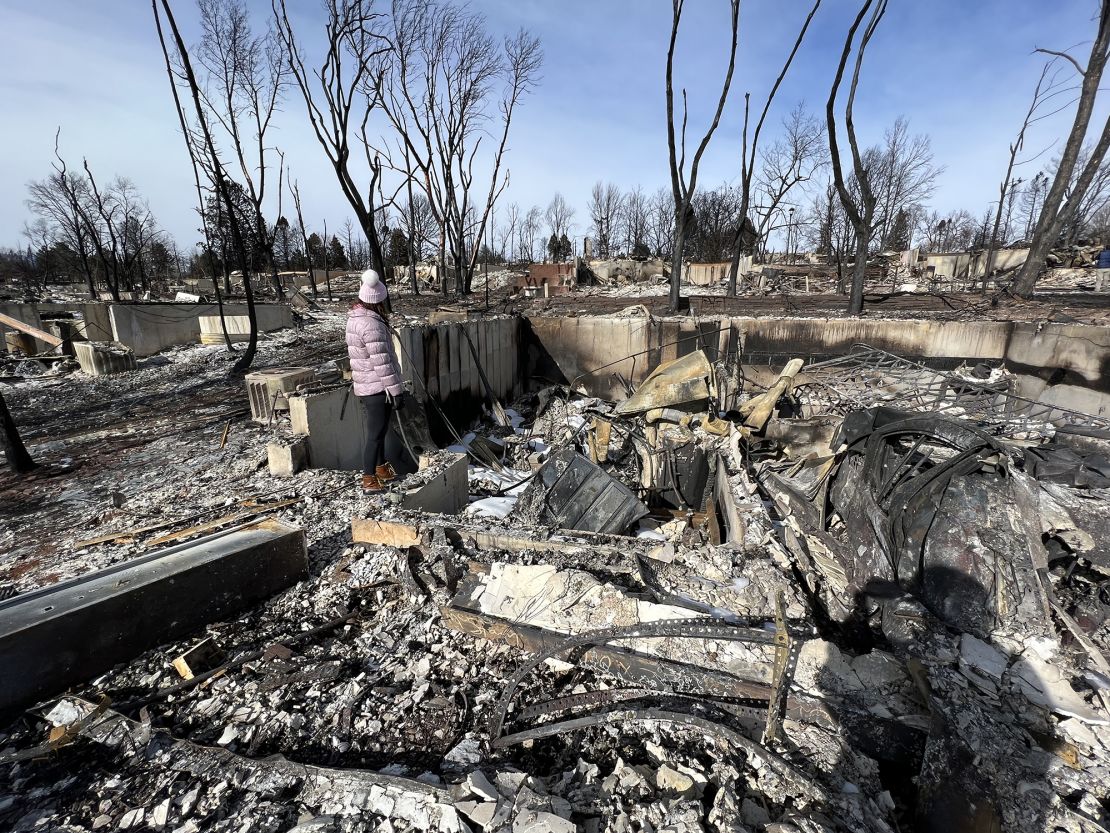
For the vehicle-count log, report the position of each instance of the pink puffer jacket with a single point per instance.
(374, 366)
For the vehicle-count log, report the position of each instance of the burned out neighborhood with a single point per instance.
(758, 480)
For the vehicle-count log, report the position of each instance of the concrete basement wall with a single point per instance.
(28, 314)
(150, 328)
(1066, 364)
(98, 325)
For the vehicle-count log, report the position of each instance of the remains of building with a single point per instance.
(689, 573)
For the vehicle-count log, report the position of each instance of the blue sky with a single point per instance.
(961, 71)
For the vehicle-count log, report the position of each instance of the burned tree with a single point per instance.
(794, 158)
(208, 159)
(743, 241)
(529, 229)
(119, 224)
(1055, 211)
(244, 76)
(436, 85)
(684, 182)
(605, 214)
(295, 190)
(58, 199)
(19, 459)
(418, 223)
(902, 178)
(339, 98)
(859, 207)
(1048, 88)
(634, 222)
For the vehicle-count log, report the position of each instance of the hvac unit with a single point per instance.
(268, 389)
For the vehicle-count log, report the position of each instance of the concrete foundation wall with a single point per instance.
(97, 326)
(334, 426)
(28, 314)
(597, 354)
(1066, 364)
(150, 328)
(965, 264)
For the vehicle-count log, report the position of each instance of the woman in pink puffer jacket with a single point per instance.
(376, 374)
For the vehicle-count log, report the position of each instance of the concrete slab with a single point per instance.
(385, 533)
(64, 635)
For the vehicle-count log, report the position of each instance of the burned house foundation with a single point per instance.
(640, 573)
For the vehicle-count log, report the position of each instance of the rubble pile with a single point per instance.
(866, 598)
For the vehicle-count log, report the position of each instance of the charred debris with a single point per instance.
(871, 597)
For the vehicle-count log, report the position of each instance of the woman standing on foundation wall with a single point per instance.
(375, 373)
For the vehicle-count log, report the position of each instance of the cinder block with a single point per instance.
(286, 459)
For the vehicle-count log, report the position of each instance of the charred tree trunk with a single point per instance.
(859, 275)
(18, 457)
(1050, 222)
(218, 174)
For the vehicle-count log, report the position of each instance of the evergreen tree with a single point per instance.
(559, 248)
(283, 243)
(316, 251)
(397, 248)
(337, 256)
(898, 240)
(220, 225)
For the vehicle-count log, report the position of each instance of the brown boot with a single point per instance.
(370, 483)
(385, 473)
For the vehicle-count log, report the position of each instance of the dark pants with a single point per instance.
(377, 408)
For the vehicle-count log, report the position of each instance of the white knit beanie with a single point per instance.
(373, 289)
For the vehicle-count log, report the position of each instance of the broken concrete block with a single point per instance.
(480, 786)
(445, 493)
(101, 358)
(670, 780)
(539, 821)
(67, 633)
(982, 663)
(286, 459)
